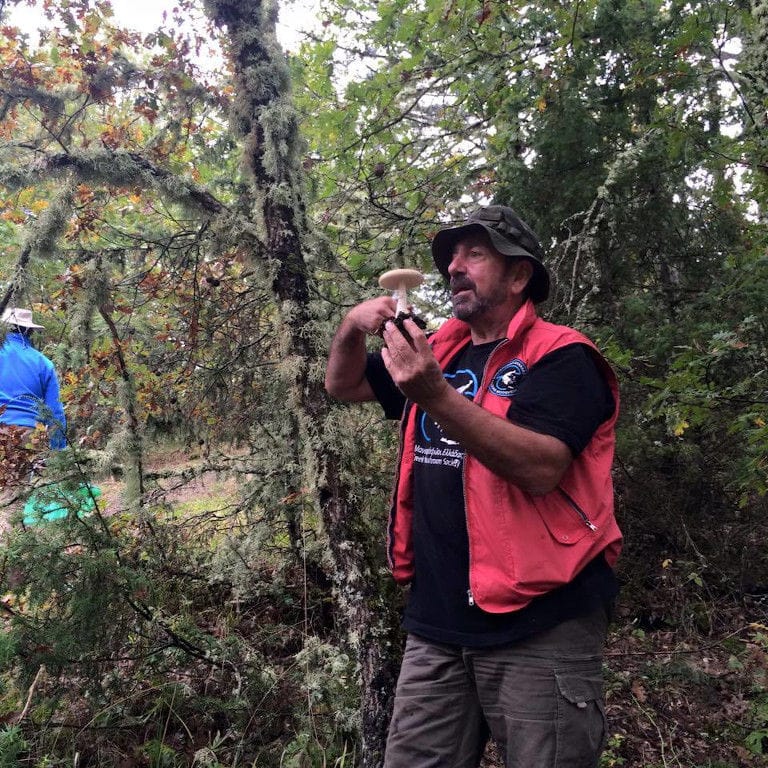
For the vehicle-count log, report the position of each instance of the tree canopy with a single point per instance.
(192, 209)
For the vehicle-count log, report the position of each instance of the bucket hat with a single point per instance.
(509, 235)
(22, 318)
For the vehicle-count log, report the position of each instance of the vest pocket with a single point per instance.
(565, 519)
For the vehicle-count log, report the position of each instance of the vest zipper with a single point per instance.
(579, 511)
(470, 597)
(396, 487)
(478, 400)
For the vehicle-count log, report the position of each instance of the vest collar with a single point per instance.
(454, 332)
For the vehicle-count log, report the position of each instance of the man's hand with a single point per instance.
(368, 316)
(412, 365)
(345, 373)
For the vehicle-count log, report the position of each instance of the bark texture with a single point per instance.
(264, 117)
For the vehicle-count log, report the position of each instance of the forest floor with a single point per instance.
(178, 477)
(680, 697)
(686, 683)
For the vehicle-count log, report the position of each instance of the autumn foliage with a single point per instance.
(191, 210)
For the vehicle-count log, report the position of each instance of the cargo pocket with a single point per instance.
(581, 724)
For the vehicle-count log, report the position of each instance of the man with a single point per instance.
(502, 520)
(29, 387)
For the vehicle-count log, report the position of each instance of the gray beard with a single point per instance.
(467, 310)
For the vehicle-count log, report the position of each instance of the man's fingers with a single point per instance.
(405, 331)
(418, 338)
(392, 334)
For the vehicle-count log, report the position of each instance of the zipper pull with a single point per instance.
(470, 599)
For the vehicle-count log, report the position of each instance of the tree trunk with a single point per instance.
(264, 117)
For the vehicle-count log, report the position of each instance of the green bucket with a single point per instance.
(57, 502)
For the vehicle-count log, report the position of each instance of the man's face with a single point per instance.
(482, 279)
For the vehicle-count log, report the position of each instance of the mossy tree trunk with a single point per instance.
(264, 118)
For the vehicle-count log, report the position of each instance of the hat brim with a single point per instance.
(20, 323)
(445, 240)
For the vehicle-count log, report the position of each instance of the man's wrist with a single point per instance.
(437, 400)
(352, 325)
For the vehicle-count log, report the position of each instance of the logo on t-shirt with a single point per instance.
(433, 447)
(464, 381)
(508, 378)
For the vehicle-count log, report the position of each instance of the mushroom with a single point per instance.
(399, 281)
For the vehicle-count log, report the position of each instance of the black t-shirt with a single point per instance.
(564, 395)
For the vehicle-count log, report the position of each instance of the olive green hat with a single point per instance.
(509, 235)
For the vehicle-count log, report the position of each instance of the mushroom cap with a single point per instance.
(393, 279)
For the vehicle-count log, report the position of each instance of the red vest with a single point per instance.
(520, 545)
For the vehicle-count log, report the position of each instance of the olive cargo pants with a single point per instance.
(541, 700)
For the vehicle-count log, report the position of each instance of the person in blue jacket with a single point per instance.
(29, 387)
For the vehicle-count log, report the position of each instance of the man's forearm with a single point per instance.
(345, 374)
(346, 361)
(531, 460)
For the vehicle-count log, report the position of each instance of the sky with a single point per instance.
(146, 16)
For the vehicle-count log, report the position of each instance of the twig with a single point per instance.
(678, 651)
(30, 694)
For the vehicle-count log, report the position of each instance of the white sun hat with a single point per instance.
(19, 317)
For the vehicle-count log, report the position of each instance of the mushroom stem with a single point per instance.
(401, 294)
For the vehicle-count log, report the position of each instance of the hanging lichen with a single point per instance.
(263, 116)
(754, 74)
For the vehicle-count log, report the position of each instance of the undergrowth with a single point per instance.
(193, 635)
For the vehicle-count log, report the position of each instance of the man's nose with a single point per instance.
(456, 265)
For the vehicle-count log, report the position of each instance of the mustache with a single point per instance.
(461, 284)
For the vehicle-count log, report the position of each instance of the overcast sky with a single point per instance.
(146, 15)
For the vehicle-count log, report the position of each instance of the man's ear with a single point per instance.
(522, 271)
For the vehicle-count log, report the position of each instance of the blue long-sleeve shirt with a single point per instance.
(29, 389)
